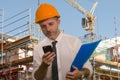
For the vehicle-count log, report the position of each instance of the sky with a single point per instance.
(107, 15)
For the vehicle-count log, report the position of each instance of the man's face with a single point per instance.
(50, 27)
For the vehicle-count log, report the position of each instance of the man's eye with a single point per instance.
(42, 26)
(50, 24)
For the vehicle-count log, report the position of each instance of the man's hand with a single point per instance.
(76, 74)
(48, 58)
(46, 61)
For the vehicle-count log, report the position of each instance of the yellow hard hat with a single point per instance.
(45, 11)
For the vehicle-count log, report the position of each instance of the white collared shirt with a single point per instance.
(67, 48)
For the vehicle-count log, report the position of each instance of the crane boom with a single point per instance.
(77, 6)
(93, 8)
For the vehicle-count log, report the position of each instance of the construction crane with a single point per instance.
(88, 21)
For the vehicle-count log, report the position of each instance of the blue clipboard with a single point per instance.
(84, 54)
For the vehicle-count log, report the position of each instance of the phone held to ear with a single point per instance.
(47, 48)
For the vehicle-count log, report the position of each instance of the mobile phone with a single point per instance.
(47, 48)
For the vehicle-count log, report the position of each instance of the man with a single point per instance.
(66, 48)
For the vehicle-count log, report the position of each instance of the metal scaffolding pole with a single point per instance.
(1, 27)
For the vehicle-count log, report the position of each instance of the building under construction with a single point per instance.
(17, 40)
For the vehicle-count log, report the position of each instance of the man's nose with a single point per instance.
(48, 28)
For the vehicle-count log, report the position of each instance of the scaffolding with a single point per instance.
(106, 65)
(16, 46)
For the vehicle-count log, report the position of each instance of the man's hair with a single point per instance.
(56, 18)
